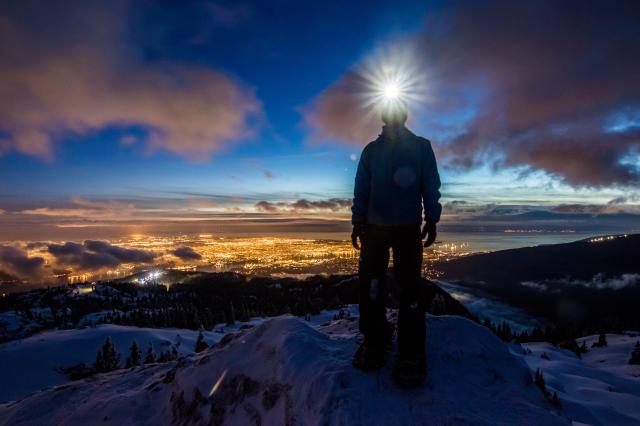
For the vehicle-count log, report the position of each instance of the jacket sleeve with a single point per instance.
(430, 185)
(361, 190)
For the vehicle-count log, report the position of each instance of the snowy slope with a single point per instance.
(28, 365)
(287, 371)
(599, 389)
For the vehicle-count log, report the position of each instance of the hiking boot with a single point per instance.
(372, 355)
(409, 372)
(369, 356)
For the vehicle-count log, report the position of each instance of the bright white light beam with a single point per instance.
(391, 92)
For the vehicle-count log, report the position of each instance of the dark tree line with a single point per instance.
(108, 358)
(206, 300)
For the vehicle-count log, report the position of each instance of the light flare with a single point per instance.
(393, 78)
(218, 382)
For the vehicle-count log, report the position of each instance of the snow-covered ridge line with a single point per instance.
(288, 370)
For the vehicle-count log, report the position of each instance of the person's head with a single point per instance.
(394, 114)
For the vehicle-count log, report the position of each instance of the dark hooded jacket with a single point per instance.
(397, 180)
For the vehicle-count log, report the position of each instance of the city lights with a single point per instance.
(280, 256)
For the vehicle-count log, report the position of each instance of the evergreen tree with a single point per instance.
(635, 355)
(555, 400)
(201, 345)
(134, 357)
(572, 345)
(602, 341)
(107, 358)
(540, 383)
(583, 348)
(150, 357)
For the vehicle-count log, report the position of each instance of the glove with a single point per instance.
(358, 232)
(429, 232)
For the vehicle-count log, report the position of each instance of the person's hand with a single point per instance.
(429, 232)
(358, 232)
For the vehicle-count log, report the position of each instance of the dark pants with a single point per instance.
(406, 243)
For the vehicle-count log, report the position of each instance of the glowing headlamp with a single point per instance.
(394, 82)
(391, 92)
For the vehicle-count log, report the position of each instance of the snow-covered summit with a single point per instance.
(286, 371)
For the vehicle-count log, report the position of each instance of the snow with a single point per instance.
(10, 321)
(290, 371)
(28, 365)
(599, 389)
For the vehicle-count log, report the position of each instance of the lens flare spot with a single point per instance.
(391, 91)
(218, 382)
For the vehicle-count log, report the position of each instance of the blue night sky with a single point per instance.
(138, 109)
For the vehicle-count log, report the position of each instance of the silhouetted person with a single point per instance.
(397, 176)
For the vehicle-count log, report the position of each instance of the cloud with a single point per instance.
(340, 112)
(534, 285)
(624, 199)
(86, 209)
(17, 262)
(94, 255)
(304, 205)
(333, 204)
(579, 208)
(186, 253)
(617, 205)
(523, 85)
(267, 206)
(479, 304)
(268, 174)
(122, 254)
(597, 282)
(73, 69)
(600, 282)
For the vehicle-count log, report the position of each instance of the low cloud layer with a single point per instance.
(17, 262)
(94, 255)
(70, 68)
(186, 253)
(598, 282)
(552, 86)
(304, 205)
(485, 307)
(87, 209)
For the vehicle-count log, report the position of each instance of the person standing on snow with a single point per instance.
(397, 180)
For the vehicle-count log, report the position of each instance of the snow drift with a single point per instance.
(599, 389)
(286, 371)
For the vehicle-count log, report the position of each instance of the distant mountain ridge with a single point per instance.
(579, 259)
(588, 286)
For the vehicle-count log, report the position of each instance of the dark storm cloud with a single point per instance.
(97, 254)
(186, 253)
(304, 205)
(552, 86)
(17, 262)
